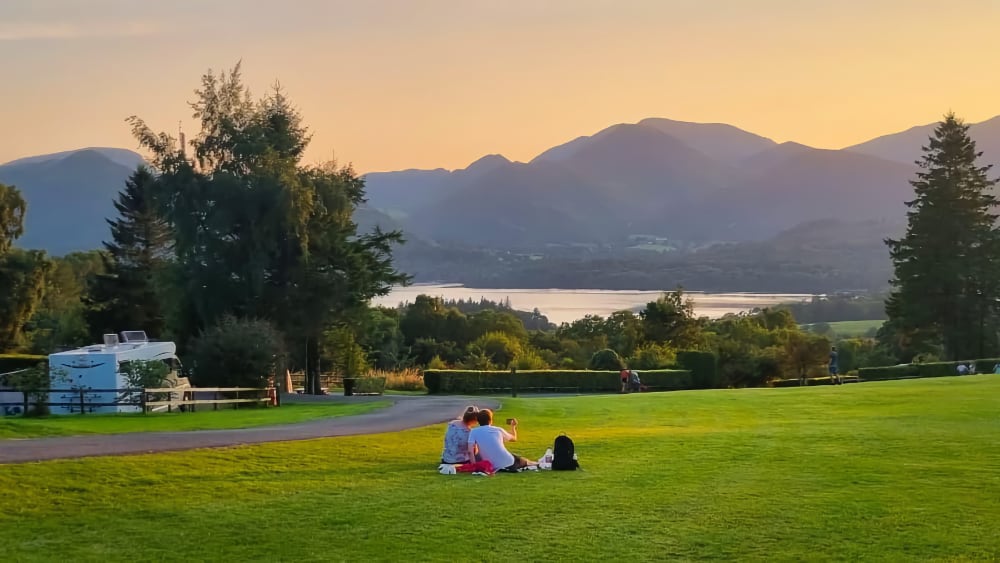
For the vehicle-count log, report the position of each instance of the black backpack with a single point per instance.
(562, 454)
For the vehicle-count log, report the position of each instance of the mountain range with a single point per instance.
(680, 180)
(634, 206)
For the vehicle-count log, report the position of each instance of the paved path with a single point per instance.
(405, 413)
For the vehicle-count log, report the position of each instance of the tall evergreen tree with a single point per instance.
(125, 296)
(947, 266)
(258, 234)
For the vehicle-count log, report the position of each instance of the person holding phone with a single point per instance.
(490, 441)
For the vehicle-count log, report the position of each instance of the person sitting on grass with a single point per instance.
(490, 441)
(456, 439)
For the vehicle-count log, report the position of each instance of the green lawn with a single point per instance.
(849, 329)
(890, 471)
(19, 427)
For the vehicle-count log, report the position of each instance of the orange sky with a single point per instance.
(390, 84)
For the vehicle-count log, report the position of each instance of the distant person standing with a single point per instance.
(834, 368)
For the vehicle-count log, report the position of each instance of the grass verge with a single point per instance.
(21, 427)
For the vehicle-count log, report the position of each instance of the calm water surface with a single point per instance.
(567, 305)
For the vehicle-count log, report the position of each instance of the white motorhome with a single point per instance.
(97, 367)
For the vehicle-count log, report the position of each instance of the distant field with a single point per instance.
(851, 328)
(69, 425)
(885, 471)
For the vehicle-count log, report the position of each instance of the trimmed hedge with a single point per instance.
(704, 368)
(931, 369)
(15, 362)
(809, 382)
(470, 382)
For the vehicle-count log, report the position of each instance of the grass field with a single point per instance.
(20, 427)
(848, 329)
(893, 471)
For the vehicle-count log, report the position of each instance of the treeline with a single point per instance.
(752, 349)
(232, 248)
(836, 308)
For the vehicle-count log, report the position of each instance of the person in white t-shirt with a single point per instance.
(490, 441)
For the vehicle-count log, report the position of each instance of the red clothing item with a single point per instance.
(477, 467)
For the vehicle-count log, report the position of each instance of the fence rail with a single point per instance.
(83, 399)
(326, 381)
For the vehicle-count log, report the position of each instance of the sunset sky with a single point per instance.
(390, 84)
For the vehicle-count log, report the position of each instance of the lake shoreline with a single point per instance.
(567, 305)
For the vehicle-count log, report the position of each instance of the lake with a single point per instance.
(567, 305)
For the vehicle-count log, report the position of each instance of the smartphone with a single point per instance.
(510, 421)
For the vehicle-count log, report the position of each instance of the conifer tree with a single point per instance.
(946, 288)
(125, 297)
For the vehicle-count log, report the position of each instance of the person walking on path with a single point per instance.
(834, 375)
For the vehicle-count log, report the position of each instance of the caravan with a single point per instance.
(97, 367)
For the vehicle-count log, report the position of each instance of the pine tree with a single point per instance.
(125, 297)
(945, 288)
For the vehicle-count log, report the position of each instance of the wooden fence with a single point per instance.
(186, 397)
(327, 381)
(80, 400)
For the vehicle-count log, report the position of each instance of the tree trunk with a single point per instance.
(312, 386)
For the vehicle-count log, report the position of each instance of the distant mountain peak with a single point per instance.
(723, 142)
(123, 157)
(489, 161)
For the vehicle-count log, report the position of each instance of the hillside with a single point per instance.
(646, 205)
(905, 146)
(68, 197)
(683, 181)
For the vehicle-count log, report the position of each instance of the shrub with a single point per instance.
(888, 372)
(409, 379)
(825, 380)
(500, 347)
(15, 362)
(236, 353)
(653, 356)
(437, 363)
(606, 359)
(930, 369)
(529, 360)
(703, 366)
(34, 382)
(344, 353)
(467, 381)
(143, 374)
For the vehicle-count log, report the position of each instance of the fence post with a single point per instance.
(215, 405)
(142, 400)
(25, 395)
(513, 382)
(82, 409)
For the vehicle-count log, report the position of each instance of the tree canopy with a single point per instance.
(257, 234)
